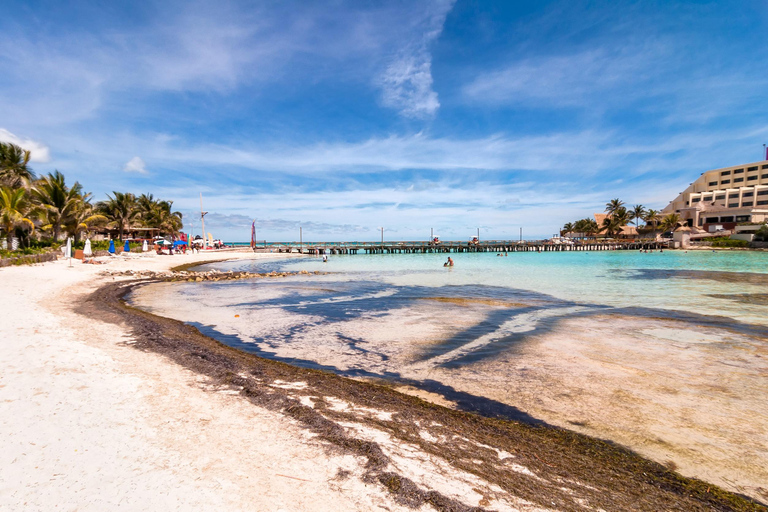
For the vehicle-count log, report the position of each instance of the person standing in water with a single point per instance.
(448, 263)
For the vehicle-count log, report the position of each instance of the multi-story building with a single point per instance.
(723, 198)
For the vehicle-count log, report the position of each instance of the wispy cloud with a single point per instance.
(39, 152)
(407, 80)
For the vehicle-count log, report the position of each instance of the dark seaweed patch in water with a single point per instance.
(760, 299)
(339, 302)
(712, 275)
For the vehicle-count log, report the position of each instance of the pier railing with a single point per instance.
(498, 246)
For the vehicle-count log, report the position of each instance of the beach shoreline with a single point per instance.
(380, 448)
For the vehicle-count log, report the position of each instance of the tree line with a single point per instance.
(45, 207)
(619, 216)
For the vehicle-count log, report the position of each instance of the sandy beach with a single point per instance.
(90, 422)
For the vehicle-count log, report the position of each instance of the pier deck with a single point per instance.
(497, 246)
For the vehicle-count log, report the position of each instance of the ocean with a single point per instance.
(664, 352)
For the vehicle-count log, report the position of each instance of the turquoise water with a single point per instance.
(704, 282)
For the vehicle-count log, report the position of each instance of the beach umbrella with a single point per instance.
(69, 247)
(144, 248)
(112, 247)
(126, 248)
(87, 249)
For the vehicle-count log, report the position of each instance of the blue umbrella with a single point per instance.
(127, 247)
(112, 246)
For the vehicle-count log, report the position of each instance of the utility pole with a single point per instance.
(382, 235)
(202, 218)
(431, 234)
(478, 234)
(521, 233)
(301, 240)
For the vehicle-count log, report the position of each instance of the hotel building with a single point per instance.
(723, 198)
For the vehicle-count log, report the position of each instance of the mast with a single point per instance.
(202, 217)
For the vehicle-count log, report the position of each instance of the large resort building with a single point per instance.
(723, 198)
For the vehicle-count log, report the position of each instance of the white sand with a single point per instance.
(89, 423)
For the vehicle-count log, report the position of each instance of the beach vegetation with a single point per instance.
(670, 222)
(15, 209)
(613, 205)
(38, 211)
(728, 242)
(761, 235)
(14, 166)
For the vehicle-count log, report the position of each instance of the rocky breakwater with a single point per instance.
(193, 276)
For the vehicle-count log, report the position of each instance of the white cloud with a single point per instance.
(407, 81)
(136, 165)
(39, 152)
(566, 79)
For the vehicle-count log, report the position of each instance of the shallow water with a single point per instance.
(664, 352)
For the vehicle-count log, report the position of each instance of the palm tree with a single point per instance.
(121, 210)
(637, 213)
(57, 202)
(652, 218)
(82, 218)
(156, 213)
(14, 171)
(670, 222)
(14, 208)
(613, 205)
(616, 220)
(567, 228)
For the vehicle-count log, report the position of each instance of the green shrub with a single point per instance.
(727, 242)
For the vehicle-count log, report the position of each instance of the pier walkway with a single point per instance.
(497, 246)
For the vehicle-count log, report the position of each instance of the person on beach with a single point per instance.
(325, 258)
(448, 263)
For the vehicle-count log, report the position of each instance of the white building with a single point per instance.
(723, 198)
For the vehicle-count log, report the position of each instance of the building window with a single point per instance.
(765, 166)
(762, 202)
(747, 194)
(764, 176)
(752, 169)
(726, 219)
(725, 182)
(747, 203)
(725, 173)
(752, 178)
(712, 183)
(738, 180)
(738, 171)
(762, 192)
(733, 205)
(695, 199)
(742, 218)
(711, 220)
(722, 197)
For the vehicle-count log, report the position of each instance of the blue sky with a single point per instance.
(342, 117)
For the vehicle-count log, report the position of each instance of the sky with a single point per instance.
(341, 118)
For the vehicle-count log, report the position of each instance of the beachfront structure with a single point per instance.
(722, 198)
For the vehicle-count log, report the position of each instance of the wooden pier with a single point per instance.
(494, 246)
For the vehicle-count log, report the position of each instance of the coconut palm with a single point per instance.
(15, 207)
(652, 218)
(613, 205)
(156, 213)
(83, 218)
(615, 221)
(670, 222)
(120, 210)
(637, 213)
(14, 169)
(56, 201)
(567, 228)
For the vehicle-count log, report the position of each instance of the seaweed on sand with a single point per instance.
(561, 469)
